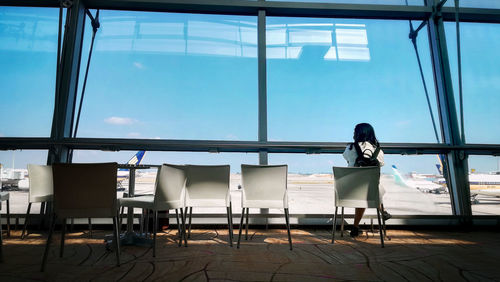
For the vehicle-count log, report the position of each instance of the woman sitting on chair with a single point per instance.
(367, 144)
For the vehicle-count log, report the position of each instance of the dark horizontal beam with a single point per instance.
(30, 3)
(216, 146)
(272, 8)
(243, 7)
(472, 15)
(275, 8)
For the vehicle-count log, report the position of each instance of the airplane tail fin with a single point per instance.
(439, 168)
(440, 164)
(137, 158)
(398, 178)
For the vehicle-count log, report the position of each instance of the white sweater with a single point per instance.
(350, 155)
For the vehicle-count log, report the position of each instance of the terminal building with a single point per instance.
(207, 83)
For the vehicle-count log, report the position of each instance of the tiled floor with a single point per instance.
(408, 256)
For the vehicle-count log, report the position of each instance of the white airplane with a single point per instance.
(484, 184)
(420, 182)
(124, 173)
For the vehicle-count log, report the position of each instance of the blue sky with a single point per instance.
(185, 76)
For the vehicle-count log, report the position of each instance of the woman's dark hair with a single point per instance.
(364, 132)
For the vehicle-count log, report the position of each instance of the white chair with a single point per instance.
(208, 186)
(4, 196)
(169, 194)
(83, 191)
(357, 187)
(41, 189)
(264, 186)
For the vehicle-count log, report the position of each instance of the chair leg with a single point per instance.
(26, 220)
(231, 216)
(141, 222)
(8, 218)
(246, 227)
(241, 227)
(183, 230)
(287, 218)
(155, 227)
(179, 230)
(63, 232)
(342, 224)
(117, 239)
(1, 240)
(190, 217)
(334, 224)
(383, 222)
(49, 240)
(122, 210)
(380, 228)
(90, 227)
(148, 234)
(42, 208)
(229, 227)
(178, 227)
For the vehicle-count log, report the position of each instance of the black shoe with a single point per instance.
(386, 215)
(355, 232)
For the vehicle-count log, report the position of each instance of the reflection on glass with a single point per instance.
(28, 47)
(479, 47)
(484, 180)
(171, 76)
(14, 177)
(413, 184)
(327, 75)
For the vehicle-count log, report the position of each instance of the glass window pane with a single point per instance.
(15, 178)
(479, 47)
(171, 76)
(327, 75)
(413, 187)
(484, 180)
(28, 50)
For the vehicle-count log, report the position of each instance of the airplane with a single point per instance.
(485, 185)
(419, 182)
(124, 174)
(9, 178)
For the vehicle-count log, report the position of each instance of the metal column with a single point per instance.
(262, 80)
(457, 166)
(66, 90)
(262, 65)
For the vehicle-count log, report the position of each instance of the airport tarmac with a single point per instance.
(308, 194)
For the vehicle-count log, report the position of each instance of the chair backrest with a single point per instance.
(40, 181)
(264, 182)
(207, 182)
(85, 190)
(357, 187)
(170, 182)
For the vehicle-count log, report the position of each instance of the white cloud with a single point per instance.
(120, 121)
(231, 136)
(138, 65)
(403, 123)
(133, 134)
